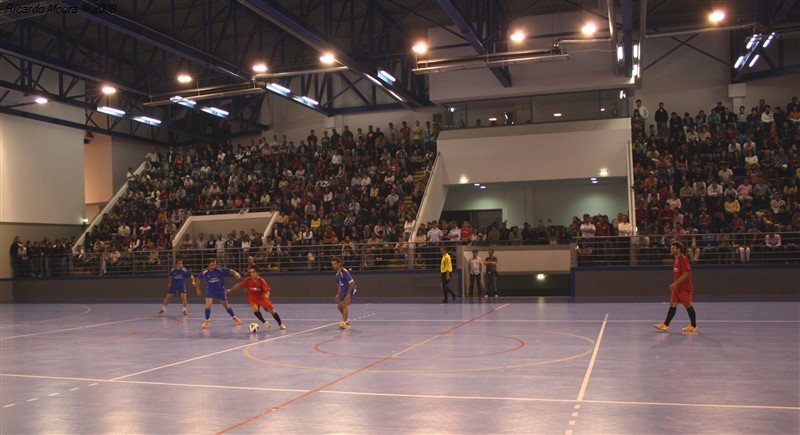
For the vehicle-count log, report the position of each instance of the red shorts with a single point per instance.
(683, 297)
(260, 301)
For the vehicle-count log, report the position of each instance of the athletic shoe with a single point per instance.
(236, 320)
(342, 325)
(690, 328)
(283, 327)
(205, 324)
(348, 322)
(184, 312)
(497, 296)
(485, 296)
(662, 327)
(266, 325)
(161, 311)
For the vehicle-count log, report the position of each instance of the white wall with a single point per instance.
(98, 174)
(554, 151)
(41, 172)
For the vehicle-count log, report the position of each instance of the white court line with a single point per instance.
(555, 321)
(9, 405)
(221, 352)
(419, 396)
(74, 329)
(591, 361)
(535, 399)
(169, 384)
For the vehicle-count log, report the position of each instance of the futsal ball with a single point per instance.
(253, 328)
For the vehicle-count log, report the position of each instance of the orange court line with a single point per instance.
(353, 373)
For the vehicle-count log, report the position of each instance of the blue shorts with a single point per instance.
(217, 294)
(343, 295)
(177, 291)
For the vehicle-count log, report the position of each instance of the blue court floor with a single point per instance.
(502, 366)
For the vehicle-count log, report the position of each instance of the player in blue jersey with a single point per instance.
(346, 290)
(176, 285)
(215, 288)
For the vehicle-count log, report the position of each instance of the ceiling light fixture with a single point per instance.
(183, 101)
(716, 16)
(385, 76)
(420, 47)
(108, 90)
(147, 120)
(215, 111)
(310, 101)
(327, 58)
(589, 29)
(40, 100)
(260, 68)
(184, 78)
(769, 39)
(278, 89)
(111, 111)
(517, 36)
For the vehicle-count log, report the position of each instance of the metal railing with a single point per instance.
(643, 250)
(720, 248)
(294, 258)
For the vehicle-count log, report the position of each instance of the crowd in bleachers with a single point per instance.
(326, 188)
(721, 172)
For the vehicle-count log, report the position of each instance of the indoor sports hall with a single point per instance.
(400, 216)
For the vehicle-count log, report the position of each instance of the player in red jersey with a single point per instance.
(681, 288)
(258, 296)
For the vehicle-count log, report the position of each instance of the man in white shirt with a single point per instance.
(587, 227)
(435, 234)
(714, 190)
(642, 110)
(474, 266)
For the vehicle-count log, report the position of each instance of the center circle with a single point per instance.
(513, 344)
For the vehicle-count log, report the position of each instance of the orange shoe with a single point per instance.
(205, 324)
(662, 327)
(690, 328)
(236, 319)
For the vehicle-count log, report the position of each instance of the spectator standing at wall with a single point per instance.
(642, 110)
(661, 117)
(491, 274)
(475, 265)
(14, 255)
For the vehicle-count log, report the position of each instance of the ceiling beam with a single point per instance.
(466, 30)
(159, 40)
(295, 26)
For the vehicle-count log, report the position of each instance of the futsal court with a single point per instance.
(521, 366)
